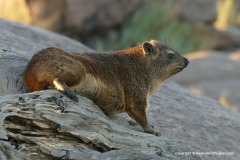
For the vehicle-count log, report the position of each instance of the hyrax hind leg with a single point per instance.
(138, 113)
(63, 88)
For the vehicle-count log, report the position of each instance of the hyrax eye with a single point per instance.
(171, 55)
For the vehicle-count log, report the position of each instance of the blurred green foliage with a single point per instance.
(155, 20)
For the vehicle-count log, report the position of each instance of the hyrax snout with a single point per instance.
(119, 81)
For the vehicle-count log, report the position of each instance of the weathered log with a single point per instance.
(48, 124)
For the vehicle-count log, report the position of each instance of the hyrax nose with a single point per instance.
(186, 62)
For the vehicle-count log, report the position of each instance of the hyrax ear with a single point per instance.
(148, 48)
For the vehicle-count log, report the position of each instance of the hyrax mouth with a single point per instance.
(178, 68)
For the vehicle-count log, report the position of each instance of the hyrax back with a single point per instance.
(120, 81)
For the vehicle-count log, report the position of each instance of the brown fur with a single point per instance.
(121, 81)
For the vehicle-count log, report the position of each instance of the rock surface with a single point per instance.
(47, 125)
(27, 40)
(77, 15)
(91, 15)
(45, 13)
(79, 19)
(204, 11)
(222, 38)
(215, 75)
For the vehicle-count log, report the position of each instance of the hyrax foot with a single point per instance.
(71, 94)
(149, 129)
(61, 87)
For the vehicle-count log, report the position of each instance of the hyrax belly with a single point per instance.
(108, 97)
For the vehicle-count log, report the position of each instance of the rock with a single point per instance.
(79, 19)
(27, 40)
(91, 15)
(198, 122)
(215, 75)
(79, 15)
(45, 13)
(204, 11)
(48, 125)
(222, 38)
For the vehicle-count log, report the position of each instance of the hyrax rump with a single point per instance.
(120, 81)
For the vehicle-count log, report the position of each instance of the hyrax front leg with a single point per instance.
(139, 115)
(62, 87)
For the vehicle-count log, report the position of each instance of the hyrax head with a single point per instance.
(163, 59)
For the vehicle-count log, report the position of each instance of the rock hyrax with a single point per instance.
(119, 81)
